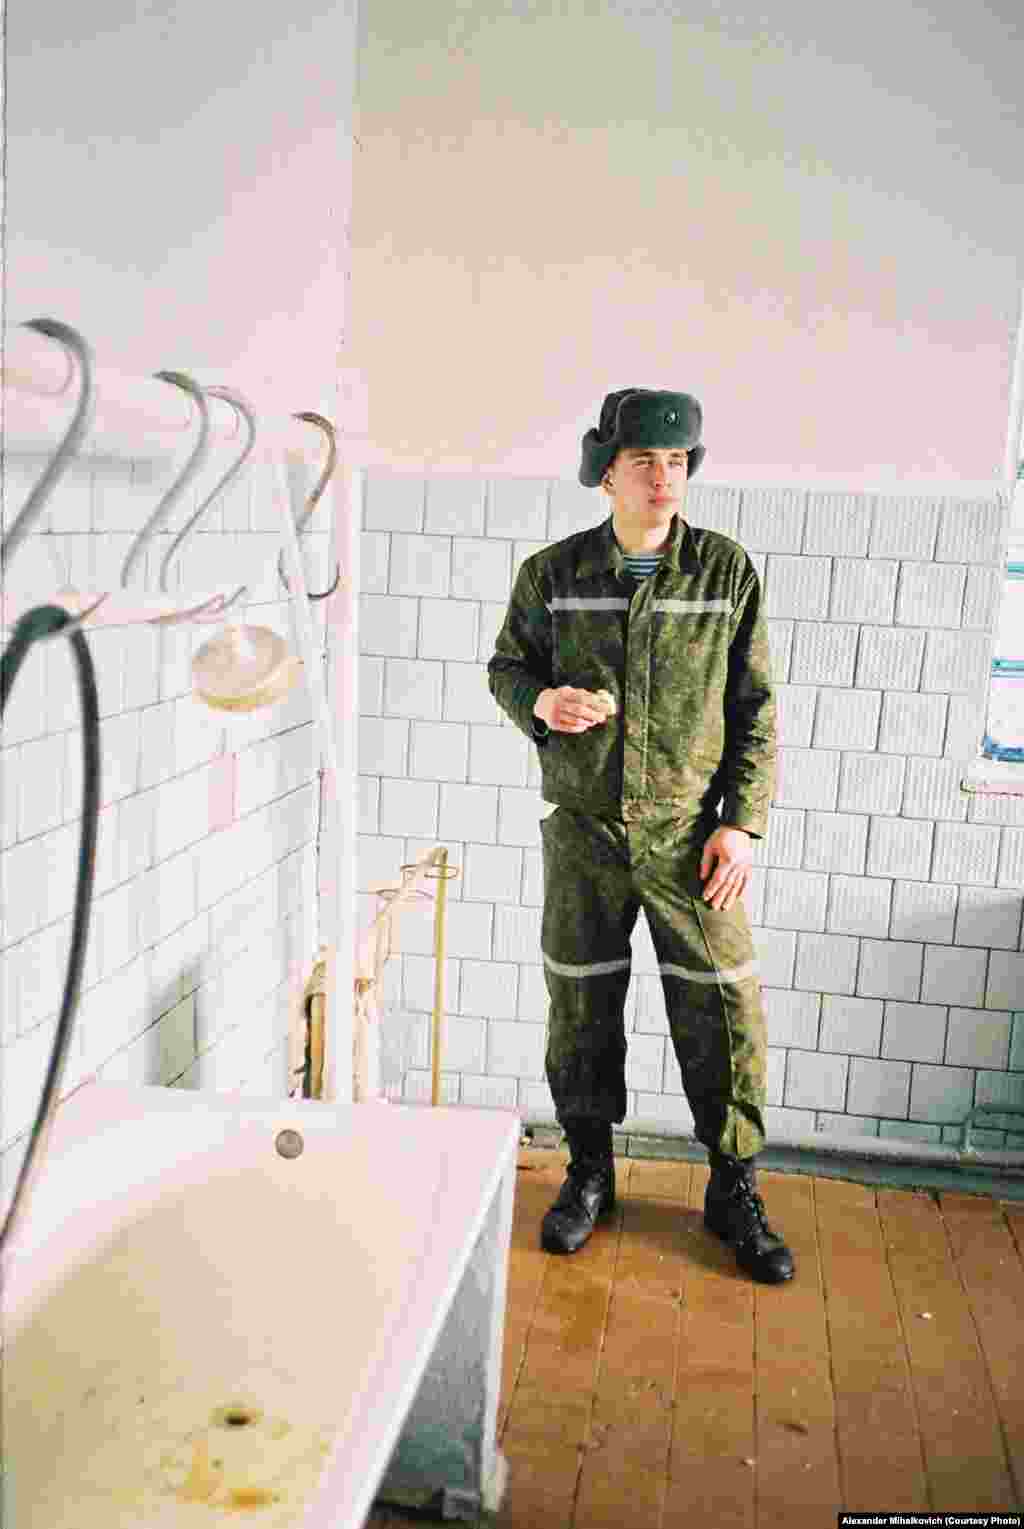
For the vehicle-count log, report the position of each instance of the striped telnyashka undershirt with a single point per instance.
(642, 564)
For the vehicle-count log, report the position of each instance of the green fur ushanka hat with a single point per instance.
(638, 417)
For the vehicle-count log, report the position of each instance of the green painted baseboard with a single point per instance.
(902, 1168)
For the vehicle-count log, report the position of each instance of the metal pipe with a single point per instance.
(1015, 426)
(439, 956)
(303, 618)
(77, 347)
(899, 1157)
(44, 622)
(338, 861)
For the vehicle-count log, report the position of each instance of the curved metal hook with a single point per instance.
(79, 348)
(179, 485)
(325, 425)
(243, 408)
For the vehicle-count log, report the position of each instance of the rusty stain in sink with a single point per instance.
(221, 1458)
(206, 1479)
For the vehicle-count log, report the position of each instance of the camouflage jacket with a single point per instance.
(685, 654)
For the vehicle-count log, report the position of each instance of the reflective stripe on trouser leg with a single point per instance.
(589, 913)
(712, 996)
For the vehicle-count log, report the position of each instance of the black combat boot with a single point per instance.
(589, 1188)
(734, 1210)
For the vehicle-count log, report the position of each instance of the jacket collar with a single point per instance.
(602, 552)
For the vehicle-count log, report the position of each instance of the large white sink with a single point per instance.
(200, 1331)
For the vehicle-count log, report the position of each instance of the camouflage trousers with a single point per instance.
(598, 872)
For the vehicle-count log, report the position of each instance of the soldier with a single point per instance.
(667, 620)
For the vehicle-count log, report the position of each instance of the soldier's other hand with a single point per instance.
(568, 710)
(731, 853)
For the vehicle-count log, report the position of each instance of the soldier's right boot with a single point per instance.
(589, 1188)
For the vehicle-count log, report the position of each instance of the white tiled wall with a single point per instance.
(886, 906)
(203, 929)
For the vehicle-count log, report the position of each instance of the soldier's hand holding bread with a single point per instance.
(569, 710)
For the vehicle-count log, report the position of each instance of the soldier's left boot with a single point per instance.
(734, 1211)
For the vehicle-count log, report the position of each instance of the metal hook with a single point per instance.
(214, 607)
(179, 485)
(243, 408)
(79, 348)
(314, 498)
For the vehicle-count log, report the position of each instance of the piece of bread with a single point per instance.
(606, 701)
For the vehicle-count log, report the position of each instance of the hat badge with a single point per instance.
(671, 417)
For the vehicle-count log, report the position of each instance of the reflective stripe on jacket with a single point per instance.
(686, 656)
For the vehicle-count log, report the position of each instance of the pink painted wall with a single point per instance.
(811, 221)
(810, 218)
(178, 185)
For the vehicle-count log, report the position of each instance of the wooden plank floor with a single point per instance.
(649, 1384)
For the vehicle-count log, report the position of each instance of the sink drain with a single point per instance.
(288, 1143)
(235, 1415)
